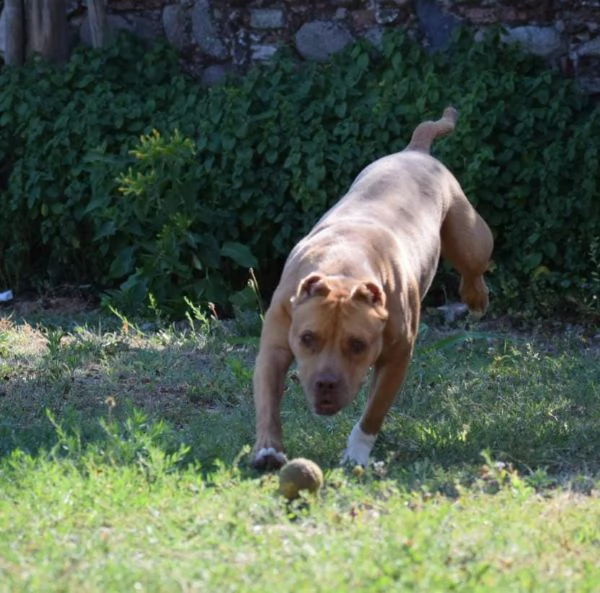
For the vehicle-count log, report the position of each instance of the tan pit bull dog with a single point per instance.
(350, 293)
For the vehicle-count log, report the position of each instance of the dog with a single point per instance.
(350, 292)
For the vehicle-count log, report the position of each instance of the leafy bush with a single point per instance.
(52, 120)
(247, 167)
(167, 237)
(74, 209)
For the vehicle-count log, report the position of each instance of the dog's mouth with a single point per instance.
(327, 393)
(326, 408)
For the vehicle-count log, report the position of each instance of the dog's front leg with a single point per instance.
(273, 360)
(388, 376)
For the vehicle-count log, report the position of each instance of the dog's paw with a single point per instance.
(359, 447)
(268, 458)
(476, 314)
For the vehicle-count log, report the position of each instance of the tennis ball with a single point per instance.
(358, 471)
(299, 474)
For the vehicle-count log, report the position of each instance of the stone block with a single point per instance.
(215, 74)
(262, 52)
(318, 40)
(205, 32)
(267, 18)
(589, 48)
(541, 41)
(174, 19)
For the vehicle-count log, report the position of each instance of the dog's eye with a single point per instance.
(308, 339)
(357, 346)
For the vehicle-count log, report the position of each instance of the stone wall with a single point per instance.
(214, 36)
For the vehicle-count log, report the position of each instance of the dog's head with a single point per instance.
(336, 335)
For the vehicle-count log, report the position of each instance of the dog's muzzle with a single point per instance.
(327, 392)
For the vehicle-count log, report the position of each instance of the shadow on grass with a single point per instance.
(127, 398)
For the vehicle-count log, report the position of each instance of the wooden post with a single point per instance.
(47, 29)
(98, 22)
(14, 23)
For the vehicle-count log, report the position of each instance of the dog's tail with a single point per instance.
(425, 133)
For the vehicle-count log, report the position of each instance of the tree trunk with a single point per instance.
(14, 23)
(47, 29)
(98, 23)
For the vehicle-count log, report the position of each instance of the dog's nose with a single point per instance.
(327, 387)
(327, 384)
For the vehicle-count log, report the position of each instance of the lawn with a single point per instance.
(124, 464)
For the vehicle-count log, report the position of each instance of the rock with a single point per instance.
(436, 24)
(205, 32)
(214, 75)
(589, 48)
(267, 18)
(2, 29)
(174, 20)
(262, 52)
(541, 41)
(318, 40)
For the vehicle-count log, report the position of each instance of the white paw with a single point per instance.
(359, 447)
(270, 452)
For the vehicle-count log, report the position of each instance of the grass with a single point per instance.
(123, 466)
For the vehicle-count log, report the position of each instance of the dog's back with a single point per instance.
(397, 180)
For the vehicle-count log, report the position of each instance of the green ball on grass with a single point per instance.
(300, 474)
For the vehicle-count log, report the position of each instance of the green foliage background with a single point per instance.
(233, 175)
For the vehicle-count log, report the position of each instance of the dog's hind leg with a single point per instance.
(467, 243)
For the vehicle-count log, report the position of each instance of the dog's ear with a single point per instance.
(313, 285)
(371, 293)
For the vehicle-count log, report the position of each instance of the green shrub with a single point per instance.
(163, 233)
(247, 167)
(52, 123)
(73, 213)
